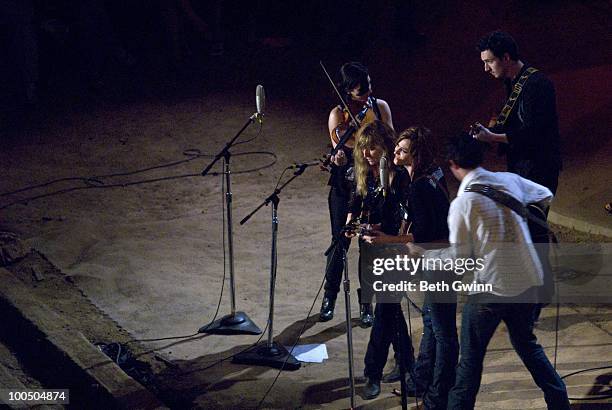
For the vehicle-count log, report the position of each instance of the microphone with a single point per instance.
(383, 172)
(260, 102)
(298, 165)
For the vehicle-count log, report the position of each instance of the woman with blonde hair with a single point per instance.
(380, 211)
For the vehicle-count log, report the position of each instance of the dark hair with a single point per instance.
(465, 151)
(499, 43)
(420, 149)
(354, 74)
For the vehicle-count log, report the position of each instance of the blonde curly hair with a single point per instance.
(374, 134)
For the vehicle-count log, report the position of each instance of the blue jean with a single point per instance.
(478, 324)
(438, 353)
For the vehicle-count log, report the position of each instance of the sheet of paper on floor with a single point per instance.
(311, 353)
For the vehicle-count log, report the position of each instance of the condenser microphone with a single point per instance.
(383, 172)
(260, 101)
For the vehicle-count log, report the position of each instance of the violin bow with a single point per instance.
(338, 94)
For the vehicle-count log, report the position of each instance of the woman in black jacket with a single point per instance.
(380, 211)
(426, 208)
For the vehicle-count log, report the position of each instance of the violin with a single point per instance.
(365, 116)
(344, 132)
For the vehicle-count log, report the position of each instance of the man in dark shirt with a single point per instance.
(530, 135)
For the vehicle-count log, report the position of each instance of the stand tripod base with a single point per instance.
(237, 324)
(272, 356)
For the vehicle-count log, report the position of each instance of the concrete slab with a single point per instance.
(69, 350)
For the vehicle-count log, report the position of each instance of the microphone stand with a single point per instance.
(236, 322)
(337, 241)
(402, 357)
(271, 353)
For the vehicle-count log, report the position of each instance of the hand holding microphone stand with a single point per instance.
(271, 353)
(235, 322)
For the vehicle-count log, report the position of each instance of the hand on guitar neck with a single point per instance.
(482, 133)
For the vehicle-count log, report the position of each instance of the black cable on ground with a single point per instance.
(599, 397)
(297, 339)
(193, 153)
(95, 182)
(305, 320)
(163, 338)
(252, 345)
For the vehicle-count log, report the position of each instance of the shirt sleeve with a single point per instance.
(459, 233)
(533, 192)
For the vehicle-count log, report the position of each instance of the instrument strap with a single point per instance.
(376, 108)
(508, 201)
(516, 91)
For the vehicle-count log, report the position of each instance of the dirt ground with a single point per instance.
(149, 256)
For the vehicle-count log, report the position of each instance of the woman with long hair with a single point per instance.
(379, 211)
(356, 89)
(426, 206)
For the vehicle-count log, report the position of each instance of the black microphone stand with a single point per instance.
(271, 353)
(337, 241)
(236, 322)
(401, 353)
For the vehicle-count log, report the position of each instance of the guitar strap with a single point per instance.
(516, 91)
(508, 201)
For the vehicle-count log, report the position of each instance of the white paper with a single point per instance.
(313, 353)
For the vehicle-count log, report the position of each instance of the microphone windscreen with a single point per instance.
(260, 99)
(383, 171)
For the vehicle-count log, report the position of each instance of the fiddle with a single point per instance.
(347, 123)
(365, 116)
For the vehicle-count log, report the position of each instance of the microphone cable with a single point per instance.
(557, 320)
(222, 281)
(223, 189)
(297, 339)
(301, 332)
(246, 349)
(96, 182)
(252, 138)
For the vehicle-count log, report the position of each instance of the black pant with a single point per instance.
(389, 323)
(338, 210)
(542, 174)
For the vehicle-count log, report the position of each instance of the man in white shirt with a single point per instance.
(480, 227)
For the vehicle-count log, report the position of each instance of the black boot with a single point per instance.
(372, 389)
(412, 389)
(393, 376)
(365, 315)
(327, 309)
